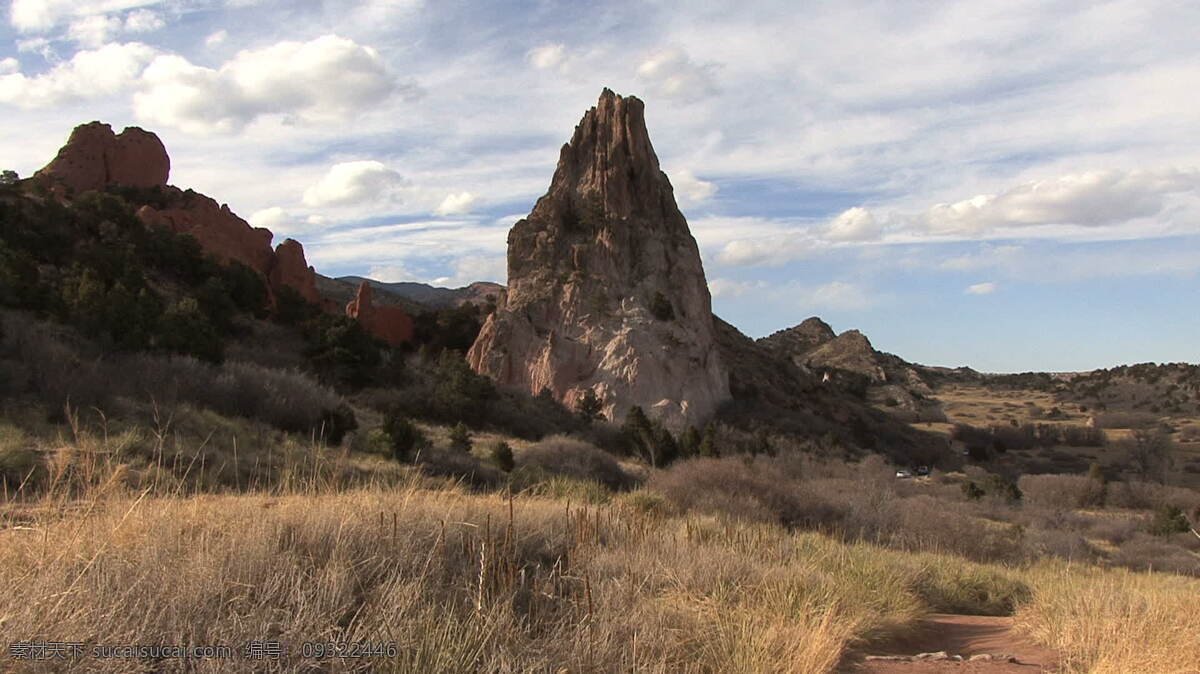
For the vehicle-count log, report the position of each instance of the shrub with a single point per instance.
(460, 438)
(972, 491)
(589, 406)
(1149, 553)
(1169, 520)
(502, 456)
(559, 455)
(186, 330)
(405, 437)
(459, 466)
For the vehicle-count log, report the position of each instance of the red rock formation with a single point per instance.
(220, 231)
(389, 323)
(292, 270)
(95, 157)
(606, 289)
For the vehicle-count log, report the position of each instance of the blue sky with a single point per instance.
(1002, 184)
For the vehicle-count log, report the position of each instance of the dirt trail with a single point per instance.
(957, 635)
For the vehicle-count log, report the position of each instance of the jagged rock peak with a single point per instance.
(800, 339)
(95, 157)
(606, 288)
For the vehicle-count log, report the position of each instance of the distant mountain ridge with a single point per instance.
(478, 292)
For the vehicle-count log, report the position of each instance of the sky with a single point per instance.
(1007, 185)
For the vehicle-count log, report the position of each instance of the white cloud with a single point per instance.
(393, 273)
(471, 268)
(32, 16)
(546, 56)
(769, 251)
(456, 204)
(143, 21)
(728, 288)
(690, 190)
(854, 224)
(834, 295)
(108, 70)
(327, 79)
(216, 39)
(673, 74)
(272, 218)
(981, 288)
(9, 65)
(94, 31)
(1092, 199)
(354, 182)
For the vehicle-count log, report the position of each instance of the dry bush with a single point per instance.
(1115, 529)
(1126, 420)
(1060, 491)
(560, 455)
(1152, 553)
(459, 466)
(1189, 433)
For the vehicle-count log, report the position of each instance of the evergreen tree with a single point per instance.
(405, 438)
(588, 407)
(502, 456)
(460, 438)
(689, 443)
(708, 445)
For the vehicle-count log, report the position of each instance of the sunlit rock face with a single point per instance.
(606, 290)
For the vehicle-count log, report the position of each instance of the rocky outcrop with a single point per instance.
(810, 334)
(606, 289)
(95, 157)
(389, 323)
(849, 359)
(291, 270)
(220, 232)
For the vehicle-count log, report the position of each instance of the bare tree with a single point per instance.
(1151, 453)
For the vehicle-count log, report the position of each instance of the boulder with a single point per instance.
(95, 157)
(606, 290)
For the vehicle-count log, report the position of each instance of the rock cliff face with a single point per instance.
(389, 323)
(220, 231)
(606, 290)
(95, 157)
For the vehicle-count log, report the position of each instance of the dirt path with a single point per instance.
(966, 636)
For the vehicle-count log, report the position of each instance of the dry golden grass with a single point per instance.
(481, 582)
(1113, 621)
(461, 582)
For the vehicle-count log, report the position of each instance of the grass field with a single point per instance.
(483, 582)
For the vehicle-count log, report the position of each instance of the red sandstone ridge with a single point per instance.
(220, 232)
(391, 324)
(95, 157)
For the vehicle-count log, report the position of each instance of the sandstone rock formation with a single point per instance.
(95, 157)
(389, 323)
(887, 379)
(291, 270)
(219, 231)
(606, 289)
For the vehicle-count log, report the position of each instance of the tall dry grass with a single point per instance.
(459, 582)
(1115, 621)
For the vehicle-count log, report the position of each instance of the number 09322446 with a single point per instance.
(348, 649)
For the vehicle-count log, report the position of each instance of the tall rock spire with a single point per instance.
(606, 290)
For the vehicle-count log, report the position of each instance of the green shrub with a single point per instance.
(502, 456)
(1169, 520)
(460, 438)
(405, 437)
(185, 329)
(589, 407)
